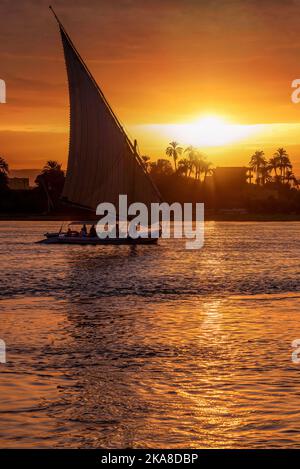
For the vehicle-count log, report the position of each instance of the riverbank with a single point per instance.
(209, 216)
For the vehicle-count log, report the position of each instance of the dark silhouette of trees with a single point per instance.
(197, 163)
(283, 162)
(192, 155)
(4, 170)
(278, 170)
(273, 165)
(291, 179)
(51, 181)
(52, 177)
(161, 167)
(207, 169)
(184, 167)
(174, 151)
(276, 189)
(257, 163)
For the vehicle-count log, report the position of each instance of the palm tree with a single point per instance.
(296, 182)
(258, 162)
(161, 167)
(283, 162)
(51, 165)
(265, 174)
(291, 178)
(277, 179)
(273, 164)
(287, 166)
(51, 181)
(207, 169)
(174, 151)
(192, 154)
(4, 170)
(200, 165)
(184, 166)
(196, 164)
(3, 166)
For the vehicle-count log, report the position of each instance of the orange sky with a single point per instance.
(159, 63)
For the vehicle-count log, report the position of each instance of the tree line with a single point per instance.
(191, 162)
(188, 162)
(45, 196)
(51, 178)
(278, 168)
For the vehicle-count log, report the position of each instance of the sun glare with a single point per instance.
(208, 131)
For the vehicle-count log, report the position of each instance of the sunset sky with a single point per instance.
(216, 74)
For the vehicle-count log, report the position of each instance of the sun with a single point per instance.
(210, 131)
(206, 131)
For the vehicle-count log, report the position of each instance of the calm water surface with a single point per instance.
(151, 346)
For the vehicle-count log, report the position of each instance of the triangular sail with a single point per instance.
(102, 161)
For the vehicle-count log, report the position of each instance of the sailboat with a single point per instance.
(102, 162)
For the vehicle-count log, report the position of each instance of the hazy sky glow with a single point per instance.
(216, 74)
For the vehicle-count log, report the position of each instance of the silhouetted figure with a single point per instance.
(83, 231)
(92, 232)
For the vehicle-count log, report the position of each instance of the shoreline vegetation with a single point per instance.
(265, 190)
(208, 216)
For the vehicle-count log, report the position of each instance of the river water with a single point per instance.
(151, 346)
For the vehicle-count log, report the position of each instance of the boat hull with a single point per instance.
(97, 241)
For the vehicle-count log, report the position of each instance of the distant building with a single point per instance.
(25, 173)
(230, 178)
(17, 184)
(227, 187)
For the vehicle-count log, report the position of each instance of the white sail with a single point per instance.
(102, 161)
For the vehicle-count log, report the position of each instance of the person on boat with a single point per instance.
(69, 232)
(83, 232)
(92, 233)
